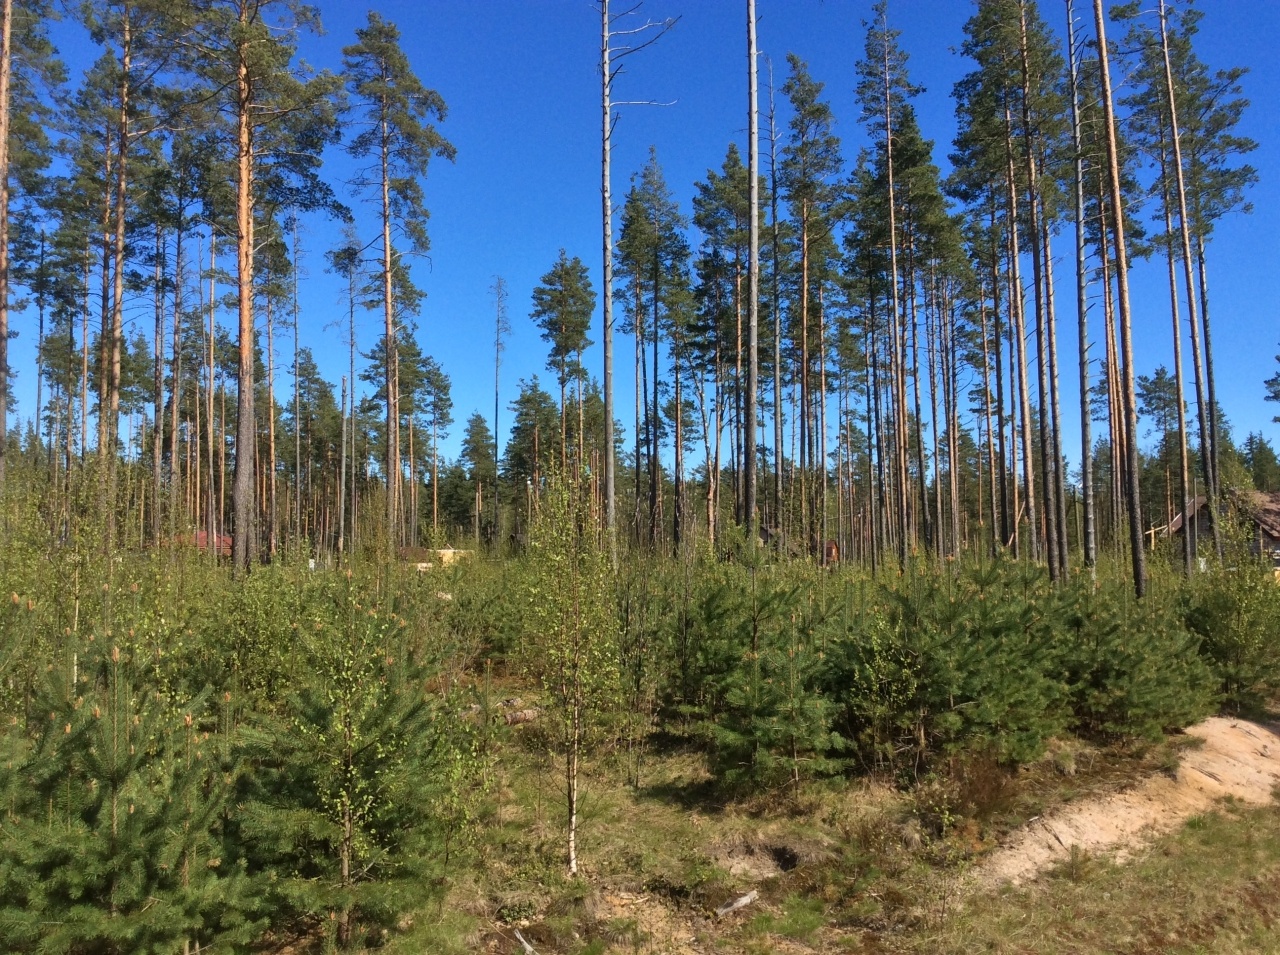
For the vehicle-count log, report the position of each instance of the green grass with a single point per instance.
(1213, 887)
(868, 876)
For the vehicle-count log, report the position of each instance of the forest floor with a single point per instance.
(1172, 847)
(1235, 758)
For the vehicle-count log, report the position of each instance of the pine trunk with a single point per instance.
(243, 490)
(753, 268)
(1134, 494)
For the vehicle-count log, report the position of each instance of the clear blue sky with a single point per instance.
(520, 78)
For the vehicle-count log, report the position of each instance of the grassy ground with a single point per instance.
(1213, 888)
(850, 866)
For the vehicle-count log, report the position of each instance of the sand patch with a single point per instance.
(1237, 759)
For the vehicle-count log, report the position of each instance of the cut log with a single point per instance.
(739, 903)
(518, 717)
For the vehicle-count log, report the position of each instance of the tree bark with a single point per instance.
(606, 202)
(753, 269)
(1138, 555)
(1089, 543)
(242, 495)
(6, 59)
(1209, 449)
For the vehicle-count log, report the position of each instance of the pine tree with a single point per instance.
(563, 303)
(721, 210)
(1273, 389)
(809, 170)
(397, 112)
(481, 463)
(29, 70)
(241, 52)
(652, 262)
(115, 837)
(1133, 493)
(530, 449)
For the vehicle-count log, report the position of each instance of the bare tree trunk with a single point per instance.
(933, 357)
(6, 58)
(806, 525)
(998, 526)
(823, 476)
(243, 490)
(1017, 310)
(211, 511)
(677, 516)
(921, 466)
(642, 402)
(157, 432)
(655, 420)
(297, 399)
(1212, 392)
(84, 337)
(753, 268)
(900, 439)
(391, 348)
(500, 328)
(175, 394)
(342, 476)
(1048, 465)
(1209, 449)
(606, 202)
(272, 502)
(117, 292)
(777, 317)
(1089, 543)
(351, 358)
(1138, 555)
(1185, 505)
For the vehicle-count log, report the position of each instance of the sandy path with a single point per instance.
(1238, 758)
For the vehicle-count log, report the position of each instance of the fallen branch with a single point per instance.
(739, 903)
(528, 949)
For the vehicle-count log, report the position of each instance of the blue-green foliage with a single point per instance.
(786, 668)
(1133, 669)
(113, 837)
(1236, 613)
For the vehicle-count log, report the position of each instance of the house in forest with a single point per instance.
(1265, 521)
(1258, 511)
(1194, 519)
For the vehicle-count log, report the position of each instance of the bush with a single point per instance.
(948, 662)
(1236, 613)
(1133, 668)
(113, 838)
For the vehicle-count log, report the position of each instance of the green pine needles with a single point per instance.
(342, 803)
(114, 836)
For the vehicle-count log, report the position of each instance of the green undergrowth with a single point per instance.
(1214, 887)
(373, 758)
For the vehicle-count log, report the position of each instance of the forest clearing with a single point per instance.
(904, 589)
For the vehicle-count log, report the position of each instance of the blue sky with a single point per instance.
(520, 78)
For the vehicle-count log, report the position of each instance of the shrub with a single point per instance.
(113, 838)
(955, 662)
(356, 773)
(1236, 613)
(1132, 667)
